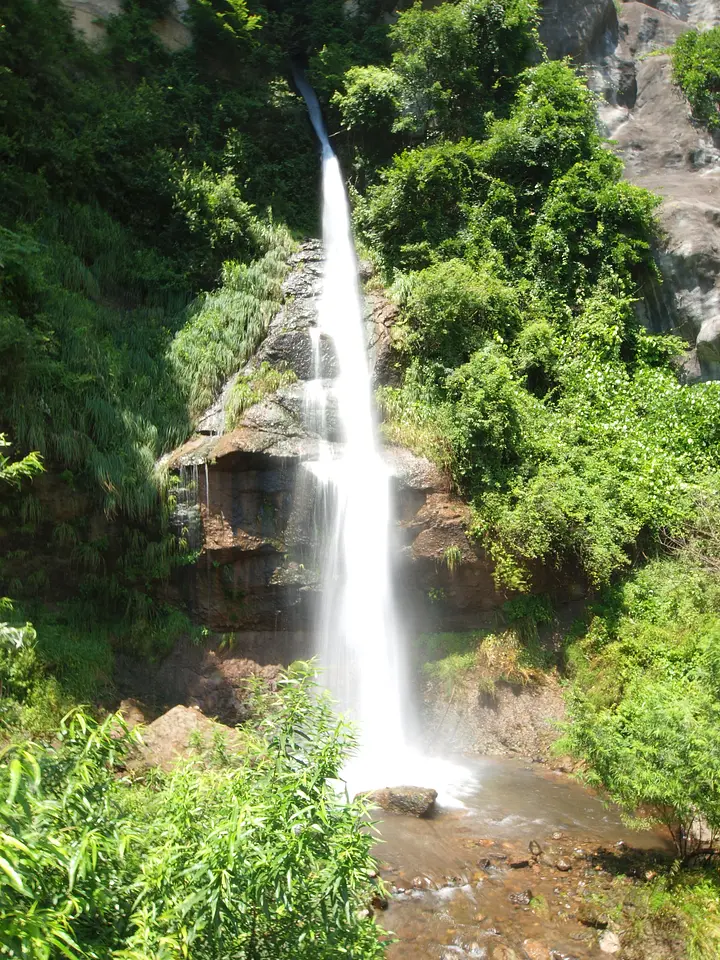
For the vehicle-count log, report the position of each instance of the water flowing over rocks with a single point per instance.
(664, 150)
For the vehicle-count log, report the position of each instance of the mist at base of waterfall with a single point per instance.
(403, 765)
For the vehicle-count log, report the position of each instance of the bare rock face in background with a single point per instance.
(511, 720)
(89, 18)
(577, 28)
(664, 150)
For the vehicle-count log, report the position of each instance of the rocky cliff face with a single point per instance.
(90, 16)
(663, 148)
(249, 497)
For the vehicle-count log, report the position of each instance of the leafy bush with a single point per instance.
(256, 855)
(644, 703)
(451, 64)
(696, 68)
(452, 308)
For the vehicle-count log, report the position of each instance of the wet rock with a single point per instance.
(178, 734)
(503, 952)
(609, 942)
(521, 898)
(518, 863)
(590, 915)
(563, 865)
(536, 950)
(379, 902)
(409, 801)
(534, 848)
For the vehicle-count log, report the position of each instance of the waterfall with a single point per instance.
(358, 647)
(359, 644)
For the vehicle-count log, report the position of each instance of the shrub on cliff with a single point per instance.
(696, 68)
(528, 247)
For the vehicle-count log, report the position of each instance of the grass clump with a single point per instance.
(251, 388)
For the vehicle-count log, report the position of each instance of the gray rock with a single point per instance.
(609, 942)
(409, 801)
(664, 150)
(578, 28)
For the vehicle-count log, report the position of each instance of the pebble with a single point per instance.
(536, 950)
(522, 898)
(563, 865)
(501, 952)
(609, 942)
(534, 848)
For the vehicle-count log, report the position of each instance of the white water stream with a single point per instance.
(359, 647)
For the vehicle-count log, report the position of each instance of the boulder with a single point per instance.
(177, 735)
(408, 801)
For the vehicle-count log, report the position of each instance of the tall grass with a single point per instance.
(227, 326)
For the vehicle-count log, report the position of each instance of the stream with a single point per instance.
(464, 883)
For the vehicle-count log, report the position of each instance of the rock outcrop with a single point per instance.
(251, 498)
(664, 150)
(90, 16)
(180, 733)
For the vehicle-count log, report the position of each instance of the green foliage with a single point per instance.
(224, 328)
(13, 472)
(451, 309)
(251, 388)
(256, 855)
(451, 64)
(515, 260)
(644, 702)
(696, 69)
(134, 181)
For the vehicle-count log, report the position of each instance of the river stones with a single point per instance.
(409, 801)
(536, 950)
(609, 942)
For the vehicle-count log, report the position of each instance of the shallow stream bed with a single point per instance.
(512, 874)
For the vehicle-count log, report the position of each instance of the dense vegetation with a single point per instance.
(148, 202)
(696, 69)
(516, 251)
(252, 854)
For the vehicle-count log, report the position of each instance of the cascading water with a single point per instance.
(359, 648)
